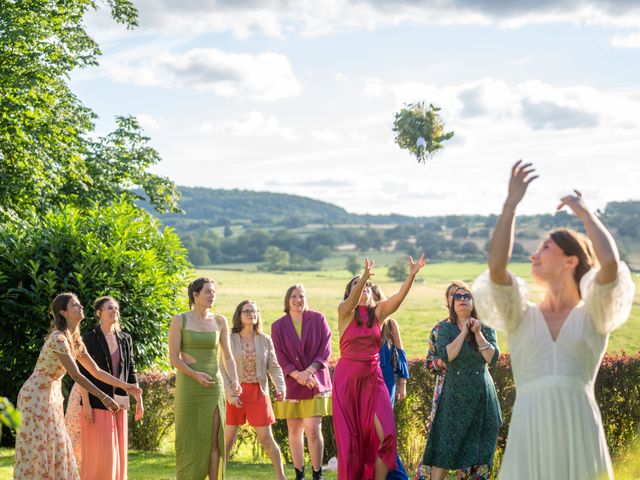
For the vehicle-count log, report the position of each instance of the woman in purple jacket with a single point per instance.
(302, 340)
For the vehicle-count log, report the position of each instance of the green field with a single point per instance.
(421, 310)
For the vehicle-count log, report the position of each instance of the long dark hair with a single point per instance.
(371, 310)
(453, 316)
(59, 322)
(195, 287)
(573, 243)
(237, 321)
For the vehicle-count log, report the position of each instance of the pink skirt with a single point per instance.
(104, 446)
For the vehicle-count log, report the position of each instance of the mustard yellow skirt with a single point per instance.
(319, 406)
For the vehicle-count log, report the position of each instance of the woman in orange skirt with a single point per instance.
(255, 359)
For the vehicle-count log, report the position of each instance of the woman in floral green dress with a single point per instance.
(466, 424)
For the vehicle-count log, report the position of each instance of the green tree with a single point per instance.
(352, 265)
(47, 155)
(399, 270)
(275, 260)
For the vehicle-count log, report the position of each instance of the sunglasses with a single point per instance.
(462, 296)
(250, 312)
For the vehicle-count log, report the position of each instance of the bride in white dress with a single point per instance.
(556, 346)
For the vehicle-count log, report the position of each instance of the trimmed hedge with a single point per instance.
(617, 392)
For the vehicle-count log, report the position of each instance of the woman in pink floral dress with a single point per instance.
(43, 448)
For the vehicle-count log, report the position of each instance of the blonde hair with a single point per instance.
(99, 303)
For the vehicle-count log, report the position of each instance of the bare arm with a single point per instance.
(453, 349)
(348, 306)
(603, 244)
(228, 361)
(501, 244)
(390, 305)
(90, 365)
(72, 369)
(485, 347)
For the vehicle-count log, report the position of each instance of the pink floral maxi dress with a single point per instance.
(43, 447)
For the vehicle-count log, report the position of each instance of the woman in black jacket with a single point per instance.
(103, 434)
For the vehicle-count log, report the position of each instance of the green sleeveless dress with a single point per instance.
(195, 405)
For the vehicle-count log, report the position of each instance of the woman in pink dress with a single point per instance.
(43, 447)
(362, 413)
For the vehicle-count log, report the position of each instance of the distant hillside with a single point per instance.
(216, 207)
(226, 226)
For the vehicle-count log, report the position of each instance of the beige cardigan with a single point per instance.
(266, 362)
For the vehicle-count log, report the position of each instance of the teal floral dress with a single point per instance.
(468, 417)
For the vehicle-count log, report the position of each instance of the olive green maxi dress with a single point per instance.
(195, 405)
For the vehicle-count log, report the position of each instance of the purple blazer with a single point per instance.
(297, 353)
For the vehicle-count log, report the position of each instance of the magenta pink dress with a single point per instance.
(359, 395)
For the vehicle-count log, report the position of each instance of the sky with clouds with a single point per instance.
(299, 97)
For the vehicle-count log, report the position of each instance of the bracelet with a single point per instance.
(485, 346)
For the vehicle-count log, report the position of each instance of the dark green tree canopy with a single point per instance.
(47, 154)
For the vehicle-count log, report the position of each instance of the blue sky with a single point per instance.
(299, 96)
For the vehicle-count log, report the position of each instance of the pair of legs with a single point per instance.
(265, 437)
(312, 429)
(476, 472)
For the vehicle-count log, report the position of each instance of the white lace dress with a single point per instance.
(556, 430)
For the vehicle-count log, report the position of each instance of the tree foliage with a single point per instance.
(47, 155)
(118, 250)
(399, 270)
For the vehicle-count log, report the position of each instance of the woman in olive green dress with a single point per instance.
(194, 337)
(467, 420)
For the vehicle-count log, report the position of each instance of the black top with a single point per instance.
(98, 349)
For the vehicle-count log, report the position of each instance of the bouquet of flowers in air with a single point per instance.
(420, 129)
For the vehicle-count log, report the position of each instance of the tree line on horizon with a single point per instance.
(289, 232)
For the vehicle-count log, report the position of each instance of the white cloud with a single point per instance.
(265, 77)
(373, 87)
(253, 124)
(326, 135)
(535, 103)
(276, 18)
(628, 41)
(148, 122)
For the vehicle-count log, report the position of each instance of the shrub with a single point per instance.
(158, 390)
(617, 392)
(118, 250)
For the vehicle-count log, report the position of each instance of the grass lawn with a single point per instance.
(161, 466)
(421, 310)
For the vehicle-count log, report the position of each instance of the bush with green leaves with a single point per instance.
(119, 250)
(417, 121)
(158, 390)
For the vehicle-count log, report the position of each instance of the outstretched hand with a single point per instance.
(575, 203)
(522, 174)
(415, 267)
(368, 265)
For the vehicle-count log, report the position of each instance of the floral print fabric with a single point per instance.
(43, 447)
